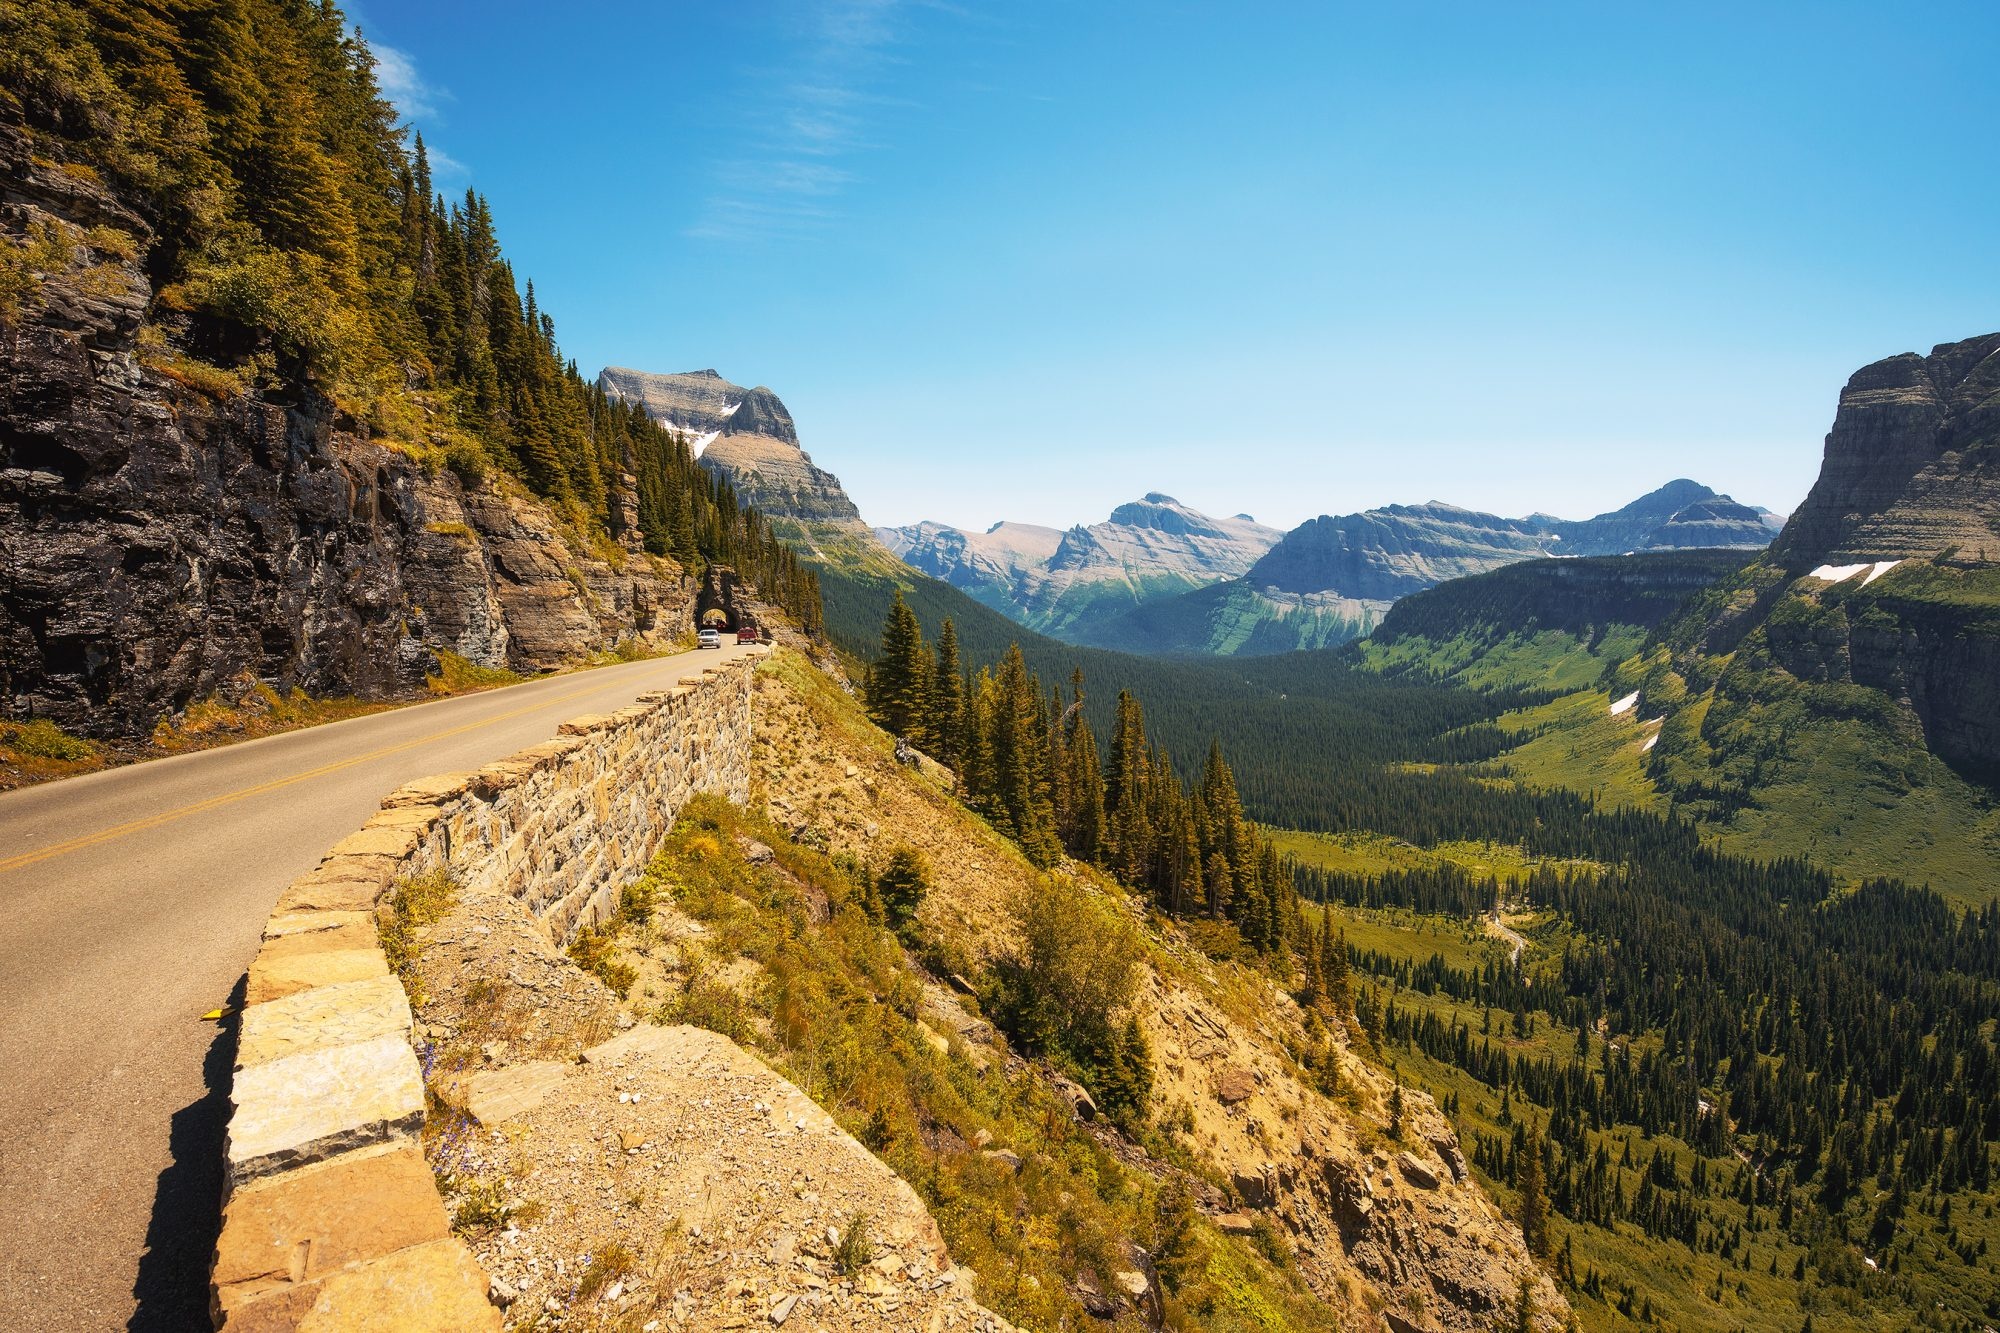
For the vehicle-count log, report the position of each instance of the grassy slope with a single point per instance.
(1781, 763)
(1551, 659)
(834, 1005)
(1773, 764)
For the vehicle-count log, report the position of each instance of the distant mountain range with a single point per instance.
(1063, 582)
(1836, 696)
(1160, 577)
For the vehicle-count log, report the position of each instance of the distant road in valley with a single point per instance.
(131, 902)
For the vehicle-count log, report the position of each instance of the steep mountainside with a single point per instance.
(1366, 1215)
(220, 469)
(747, 436)
(1332, 578)
(1541, 624)
(1912, 465)
(1840, 696)
(1063, 583)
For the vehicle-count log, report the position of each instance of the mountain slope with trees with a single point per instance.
(279, 412)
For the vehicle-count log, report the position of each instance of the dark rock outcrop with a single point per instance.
(163, 543)
(1911, 474)
(1912, 464)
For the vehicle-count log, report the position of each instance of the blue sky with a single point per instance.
(1028, 260)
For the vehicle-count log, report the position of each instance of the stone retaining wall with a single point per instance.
(332, 1219)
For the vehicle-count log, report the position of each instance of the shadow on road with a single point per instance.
(172, 1287)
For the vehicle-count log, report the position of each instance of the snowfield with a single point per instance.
(1842, 573)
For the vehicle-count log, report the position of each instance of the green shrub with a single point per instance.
(592, 951)
(854, 1249)
(416, 902)
(456, 674)
(45, 740)
(482, 1205)
(902, 887)
(23, 263)
(1064, 992)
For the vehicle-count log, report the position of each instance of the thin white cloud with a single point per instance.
(445, 167)
(416, 99)
(787, 177)
(396, 74)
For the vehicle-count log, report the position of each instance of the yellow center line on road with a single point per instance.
(168, 816)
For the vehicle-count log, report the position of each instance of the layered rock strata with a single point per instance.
(1912, 464)
(747, 435)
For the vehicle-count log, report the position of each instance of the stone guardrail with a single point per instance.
(332, 1219)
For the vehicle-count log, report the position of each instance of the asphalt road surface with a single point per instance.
(132, 902)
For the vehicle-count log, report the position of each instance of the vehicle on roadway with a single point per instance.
(746, 634)
(708, 638)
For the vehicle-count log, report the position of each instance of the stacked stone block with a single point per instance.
(332, 1219)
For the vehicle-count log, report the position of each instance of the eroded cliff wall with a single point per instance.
(167, 536)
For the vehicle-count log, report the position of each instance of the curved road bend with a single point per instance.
(131, 902)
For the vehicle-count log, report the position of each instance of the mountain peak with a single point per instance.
(745, 434)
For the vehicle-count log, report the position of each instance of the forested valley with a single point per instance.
(1715, 1091)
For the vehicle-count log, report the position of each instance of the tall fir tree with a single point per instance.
(900, 678)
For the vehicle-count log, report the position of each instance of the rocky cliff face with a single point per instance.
(748, 436)
(1911, 475)
(165, 542)
(1912, 464)
(1840, 694)
(1068, 582)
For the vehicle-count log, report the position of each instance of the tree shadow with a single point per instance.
(172, 1286)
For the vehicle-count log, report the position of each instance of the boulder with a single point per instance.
(1234, 1084)
(1416, 1172)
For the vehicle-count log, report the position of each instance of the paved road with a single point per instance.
(131, 902)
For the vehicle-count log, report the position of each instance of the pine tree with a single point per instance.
(945, 724)
(902, 887)
(1534, 1207)
(897, 688)
(1083, 826)
(1125, 791)
(1020, 761)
